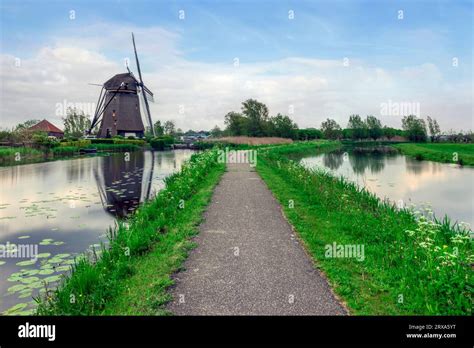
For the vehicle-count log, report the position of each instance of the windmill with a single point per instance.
(118, 106)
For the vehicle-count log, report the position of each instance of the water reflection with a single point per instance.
(65, 207)
(447, 188)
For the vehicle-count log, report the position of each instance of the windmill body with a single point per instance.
(118, 106)
(122, 115)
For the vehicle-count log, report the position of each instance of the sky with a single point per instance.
(310, 60)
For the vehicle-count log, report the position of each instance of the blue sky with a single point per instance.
(368, 33)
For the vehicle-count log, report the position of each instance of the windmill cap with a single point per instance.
(127, 79)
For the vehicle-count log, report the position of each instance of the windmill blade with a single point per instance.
(148, 94)
(147, 107)
(136, 59)
(95, 84)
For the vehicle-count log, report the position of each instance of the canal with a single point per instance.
(447, 189)
(63, 209)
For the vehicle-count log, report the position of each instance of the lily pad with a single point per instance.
(16, 308)
(17, 287)
(26, 263)
(28, 272)
(63, 268)
(26, 293)
(43, 255)
(36, 285)
(23, 237)
(46, 271)
(51, 279)
(29, 280)
(2, 263)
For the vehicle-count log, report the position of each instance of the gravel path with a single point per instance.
(248, 260)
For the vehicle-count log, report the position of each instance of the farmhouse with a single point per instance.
(49, 128)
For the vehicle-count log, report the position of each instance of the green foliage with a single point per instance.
(78, 143)
(415, 128)
(43, 141)
(236, 124)
(96, 284)
(169, 128)
(434, 129)
(161, 143)
(374, 127)
(357, 127)
(284, 127)
(331, 129)
(216, 132)
(76, 123)
(309, 134)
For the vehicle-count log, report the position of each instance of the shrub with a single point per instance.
(157, 144)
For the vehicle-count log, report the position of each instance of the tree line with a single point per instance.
(253, 120)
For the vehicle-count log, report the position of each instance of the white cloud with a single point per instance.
(316, 88)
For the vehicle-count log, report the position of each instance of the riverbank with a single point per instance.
(439, 152)
(134, 270)
(404, 265)
(11, 156)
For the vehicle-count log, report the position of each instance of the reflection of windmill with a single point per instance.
(118, 106)
(123, 185)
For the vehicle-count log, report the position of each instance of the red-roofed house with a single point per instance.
(49, 128)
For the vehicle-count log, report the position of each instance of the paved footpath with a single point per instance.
(248, 260)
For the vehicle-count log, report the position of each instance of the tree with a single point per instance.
(415, 128)
(76, 123)
(257, 115)
(309, 134)
(331, 129)
(389, 132)
(284, 127)
(434, 129)
(26, 124)
(159, 130)
(216, 132)
(374, 127)
(169, 128)
(236, 123)
(358, 127)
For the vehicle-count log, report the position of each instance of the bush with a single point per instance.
(41, 140)
(102, 141)
(78, 143)
(131, 137)
(160, 143)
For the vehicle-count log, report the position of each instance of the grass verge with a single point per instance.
(411, 264)
(439, 152)
(132, 273)
(23, 155)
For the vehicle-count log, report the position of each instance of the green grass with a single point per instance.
(24, 155)
(19, 155)
(412, 265)
(439, 152)
(132, 273)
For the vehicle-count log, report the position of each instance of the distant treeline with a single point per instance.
(254, 121)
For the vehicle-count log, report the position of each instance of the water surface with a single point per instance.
(64, 208)
(447, 188)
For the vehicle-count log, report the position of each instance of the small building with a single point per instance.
(49, 128)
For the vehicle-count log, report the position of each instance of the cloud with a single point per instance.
(314, 88)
